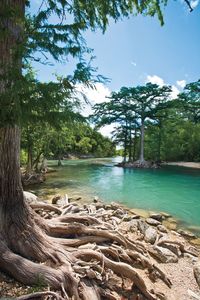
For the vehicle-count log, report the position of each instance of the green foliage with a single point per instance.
(129, 109)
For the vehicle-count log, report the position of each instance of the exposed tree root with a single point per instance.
(40, 296)
(46, 206)
(77, 255)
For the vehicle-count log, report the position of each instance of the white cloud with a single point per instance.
(160, 81)
(133, 63)
(194, 3)
(181, 83)
(98, 94)
(175, 92)
(155, 80)
(106, 130)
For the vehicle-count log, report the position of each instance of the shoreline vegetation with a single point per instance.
(164, 261)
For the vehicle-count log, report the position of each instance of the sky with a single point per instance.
(137, 50)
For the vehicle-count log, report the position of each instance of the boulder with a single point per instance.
(142, 226)
(158, 217)
(196, 270)
(162, 228)
(173, 248)
(133, 226)
(165, 255)
(153, 222)
(30, 197)
(150, 235)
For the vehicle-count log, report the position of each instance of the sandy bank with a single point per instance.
(195, 165)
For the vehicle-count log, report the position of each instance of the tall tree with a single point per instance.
(131, 107)
(148, 100)
(23, 235)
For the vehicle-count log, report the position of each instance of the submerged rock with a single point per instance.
(187, 234)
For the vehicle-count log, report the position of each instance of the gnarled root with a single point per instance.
(78, 273)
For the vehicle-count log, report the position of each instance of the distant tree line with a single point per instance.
(150, 125)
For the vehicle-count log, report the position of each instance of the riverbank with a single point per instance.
(162, 260)
(195, 165)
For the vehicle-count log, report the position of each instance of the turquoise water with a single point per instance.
(175, 190)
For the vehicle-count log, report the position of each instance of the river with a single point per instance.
(175, 190)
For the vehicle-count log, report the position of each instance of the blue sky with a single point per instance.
(132, 49)
(136, 50)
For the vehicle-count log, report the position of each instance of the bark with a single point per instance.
(13, 211)
(130, 146)
(159, 140)
(142, 142)
(134, 144)
(125, 144)
(29, 167)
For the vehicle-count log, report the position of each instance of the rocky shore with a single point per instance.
(195, 165)
(163, 258)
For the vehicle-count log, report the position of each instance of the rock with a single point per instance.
(78, 198)
(153, 222)
(127, 218)
(196, 270)
(173, 248)
(30, 197)
(55, 199)
(150, 235)
(133, 217)
(165, 215)
(158, 217)
(96, 199)
(186, 234)
(99, 205)
(165, 255)
(115, 205)
(119, 213)
(142, 226)
(162, 228)
(133, 226)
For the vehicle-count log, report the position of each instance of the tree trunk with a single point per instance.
(130, 146)
(125, 146)
(29, 166)
(12, 205)
(159, 140)
(134, 144)
(142, 142)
